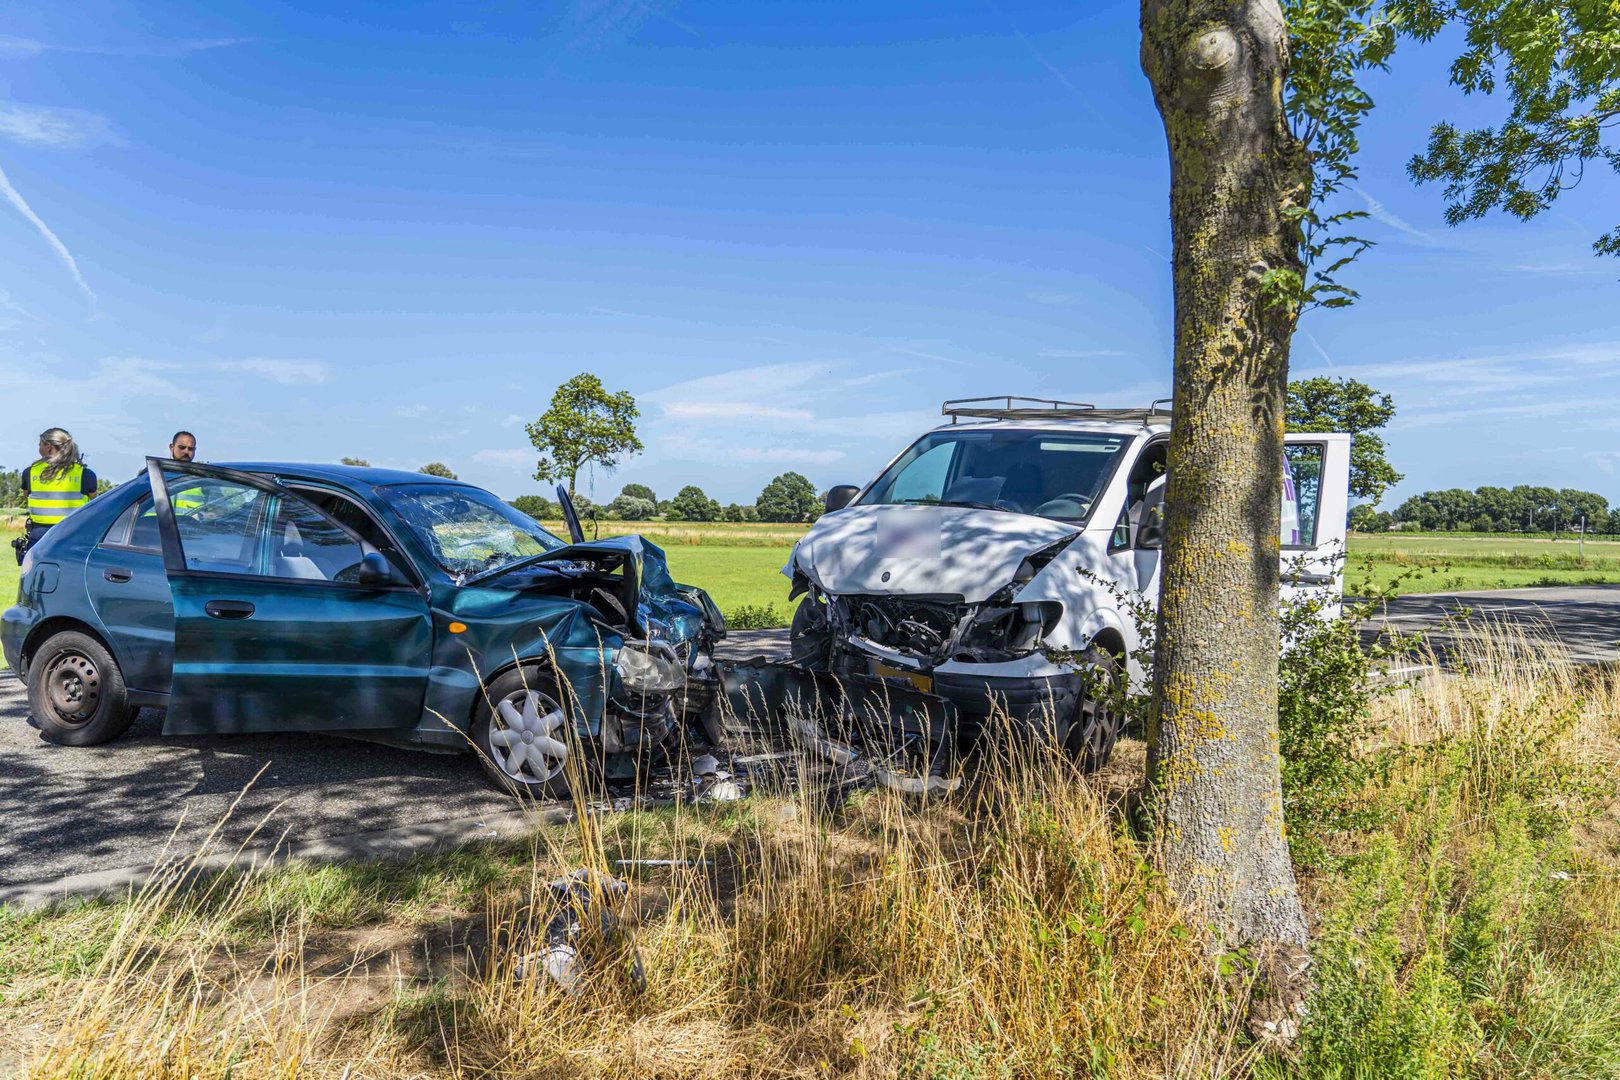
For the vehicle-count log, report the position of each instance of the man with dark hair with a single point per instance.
(183, 447)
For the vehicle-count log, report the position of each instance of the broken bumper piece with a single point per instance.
(905, 735)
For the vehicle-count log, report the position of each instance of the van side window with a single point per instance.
(1302, 493)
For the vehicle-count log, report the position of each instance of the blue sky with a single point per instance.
(389, 230)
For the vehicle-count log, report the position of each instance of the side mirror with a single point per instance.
(576, 535)
(840, 496)
(375, 570)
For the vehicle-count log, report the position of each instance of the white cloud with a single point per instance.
(412, 412)
(31, 47)
(734, 410)
(285, 372)
(784, 455)
(506, 458)
(1605, 460)
(1380, 213)
(878, 376)
(513, 420)
(54, 128)
(1080, 354)
(20, 204)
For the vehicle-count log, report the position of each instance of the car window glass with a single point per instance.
(1049, 474)
(1302, 492)
(467, 530)
(352, 517)
(119, 531)
(219, 527)
(1121, 537)
(307, 546)
(924, 479)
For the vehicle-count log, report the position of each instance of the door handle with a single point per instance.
(228, 609)
(119, 576)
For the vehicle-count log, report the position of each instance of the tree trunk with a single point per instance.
(1217, 70)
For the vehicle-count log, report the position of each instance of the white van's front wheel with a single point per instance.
(1099, 715)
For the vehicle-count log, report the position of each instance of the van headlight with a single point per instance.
(649, 668)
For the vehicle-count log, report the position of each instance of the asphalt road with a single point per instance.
(79, 819)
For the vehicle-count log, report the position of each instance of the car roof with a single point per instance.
(346, 474)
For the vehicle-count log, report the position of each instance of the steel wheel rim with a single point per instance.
(1097, 723)
(526, 737)
(73, 689)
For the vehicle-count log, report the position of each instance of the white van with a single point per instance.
(986, 549)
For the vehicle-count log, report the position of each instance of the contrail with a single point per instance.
(16, 200)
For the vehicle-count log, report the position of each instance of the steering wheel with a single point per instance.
(1075, 497)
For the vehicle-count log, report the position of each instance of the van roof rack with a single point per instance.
(1012, 407)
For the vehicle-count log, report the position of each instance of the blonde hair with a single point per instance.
(64, 453)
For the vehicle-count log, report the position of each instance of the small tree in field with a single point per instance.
(638, 491)
(790, 497)
(437, 468)
(690, 504)
(538, 507)
(585, 425)
(1323, 404)
(630, 508)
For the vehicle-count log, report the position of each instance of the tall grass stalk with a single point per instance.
(1015, 930)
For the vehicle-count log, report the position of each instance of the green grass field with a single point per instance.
(1459, 562)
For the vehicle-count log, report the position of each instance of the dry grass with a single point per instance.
(1013, 931)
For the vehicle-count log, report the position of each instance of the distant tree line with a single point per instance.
(787, 498)
(1523, 509)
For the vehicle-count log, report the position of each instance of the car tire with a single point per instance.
(809, 636)
(524, 714)
(76, 693)
(1091, 732)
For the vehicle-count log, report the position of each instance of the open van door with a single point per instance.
(1315, 510)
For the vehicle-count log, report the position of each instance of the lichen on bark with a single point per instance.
(1217, 71)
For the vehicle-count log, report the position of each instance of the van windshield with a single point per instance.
(1048, 474)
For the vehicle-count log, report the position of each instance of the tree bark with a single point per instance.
(1218, 71)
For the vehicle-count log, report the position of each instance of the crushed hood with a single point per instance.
(921, 550)
(662, 608)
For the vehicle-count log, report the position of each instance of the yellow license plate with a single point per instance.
(916, 679)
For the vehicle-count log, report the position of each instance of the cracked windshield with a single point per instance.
(468, 531)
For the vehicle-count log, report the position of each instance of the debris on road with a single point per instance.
(585, 920)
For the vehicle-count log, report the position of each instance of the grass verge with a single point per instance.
(1472, 928)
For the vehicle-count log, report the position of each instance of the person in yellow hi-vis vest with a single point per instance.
(55, 485)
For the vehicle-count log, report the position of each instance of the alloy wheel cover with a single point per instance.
(527, 746)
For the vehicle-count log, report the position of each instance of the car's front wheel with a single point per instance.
(76, 693)
(523, 734)
(1098, 715)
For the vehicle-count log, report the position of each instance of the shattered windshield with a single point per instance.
(1049, 474)
(467, 529)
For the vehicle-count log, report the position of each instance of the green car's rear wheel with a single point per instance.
(76, 693)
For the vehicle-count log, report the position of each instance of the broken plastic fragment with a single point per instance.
(917, 785)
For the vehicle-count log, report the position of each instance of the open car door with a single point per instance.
(1315, 509)
(273, 628)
